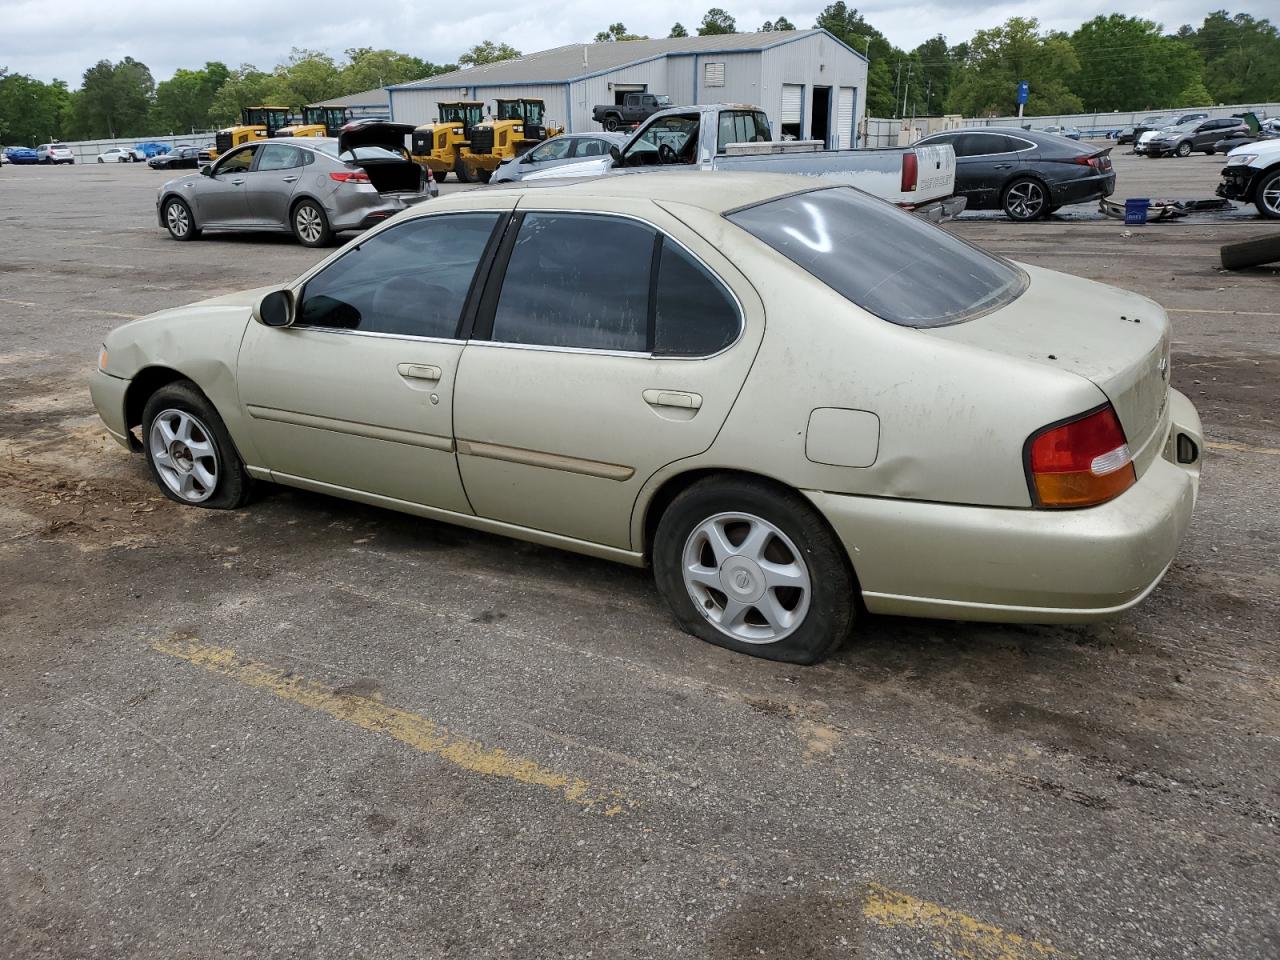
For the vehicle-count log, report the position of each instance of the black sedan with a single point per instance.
(178, 159)
(1026, 173)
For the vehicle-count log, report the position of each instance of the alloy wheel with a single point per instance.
(1025, 200)
(746, 577)
(178, 219)
(184, 454)
(310, 226)
(1269, 193)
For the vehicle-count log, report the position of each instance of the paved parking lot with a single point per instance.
(311, 728)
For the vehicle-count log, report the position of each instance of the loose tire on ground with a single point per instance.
(190, 450)
(1251, 253)
(795, 593)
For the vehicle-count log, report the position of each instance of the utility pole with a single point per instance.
(905, 88)
(897, 77)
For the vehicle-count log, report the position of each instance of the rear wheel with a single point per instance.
(461, 171)
(1025, 199)
(189, 450)
(1183, 149)
(1266, 195)
(179, 221)
(751, 567)
(611, 123)
(311, 225)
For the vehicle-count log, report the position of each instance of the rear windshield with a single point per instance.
(888, 262)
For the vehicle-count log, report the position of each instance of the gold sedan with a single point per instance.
(795, 401)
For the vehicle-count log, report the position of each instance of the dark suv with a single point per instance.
(1200, 135)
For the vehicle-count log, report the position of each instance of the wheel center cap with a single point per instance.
(742, 579)
(181, 455)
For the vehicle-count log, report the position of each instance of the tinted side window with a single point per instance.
(278, 156)
(577, 280)
(694, 314)
(411, 279)
(740, 126)
(980, 144)
(236, 162)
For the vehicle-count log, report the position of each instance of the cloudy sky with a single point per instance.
(62, 38)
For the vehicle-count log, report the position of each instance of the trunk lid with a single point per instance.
(1116, 339)
(378, 148)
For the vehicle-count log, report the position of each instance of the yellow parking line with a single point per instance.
(409, 728)
(955, 934)
(1244, 447)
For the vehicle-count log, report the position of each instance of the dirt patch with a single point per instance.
(788, 926)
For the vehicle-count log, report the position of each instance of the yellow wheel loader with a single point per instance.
(438, 146)
(316, 122)
(518, 125)
(256, 123)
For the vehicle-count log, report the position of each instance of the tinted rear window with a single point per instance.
(888, 262)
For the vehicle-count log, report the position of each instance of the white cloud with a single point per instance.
(62, 39)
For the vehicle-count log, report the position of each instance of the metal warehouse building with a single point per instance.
(811, 85)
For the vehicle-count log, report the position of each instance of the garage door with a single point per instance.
(792, 103)
(844, 117)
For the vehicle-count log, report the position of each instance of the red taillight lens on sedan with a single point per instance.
(1100, 162)
(1080, 463)
(354, 176)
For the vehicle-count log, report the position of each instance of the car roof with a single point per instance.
(715, 192)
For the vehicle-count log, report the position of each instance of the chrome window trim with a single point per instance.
(373, 333)
(737, 302)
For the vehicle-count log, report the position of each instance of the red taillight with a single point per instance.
(1080, 463)
(1099, 162)
(353, 176)
(910, 171)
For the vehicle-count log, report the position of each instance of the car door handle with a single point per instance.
(289, 179)
(236, 183)
(419, 371)
(673, 398)
(1003, 166)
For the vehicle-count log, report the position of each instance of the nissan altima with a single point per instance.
(796, 402)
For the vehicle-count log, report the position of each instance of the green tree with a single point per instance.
(368, 69)
(717, 21)
(935, 66)
(115, 99)
(678, 30)
(1241, 56)
(617, 32)
(1126, 63)
(488, 52)
(246, 86)
(183, 102)
(32, 111)
(772, 26)
(997, 59)
(308, 76)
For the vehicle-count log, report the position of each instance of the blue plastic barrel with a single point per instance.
(1135, 210)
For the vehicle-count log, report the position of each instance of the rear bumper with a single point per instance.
(1033, 566)
(938, 211)
(1083, 189)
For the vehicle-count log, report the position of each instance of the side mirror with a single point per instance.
(207, 170)
(275, 309)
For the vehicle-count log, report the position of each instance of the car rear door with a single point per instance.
(986, 162)
(607, 346)
(270, 184)
(357, 395)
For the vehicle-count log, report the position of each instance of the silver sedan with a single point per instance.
(557, 152)
(314, 187)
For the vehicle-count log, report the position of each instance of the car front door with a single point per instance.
(984, 163)
(587, 373)
(269, 185)
(358, 394)
(220, 197)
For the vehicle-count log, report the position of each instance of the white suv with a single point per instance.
(54, 153)
(1252, 173)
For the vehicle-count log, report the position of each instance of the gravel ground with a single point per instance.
(311, 728)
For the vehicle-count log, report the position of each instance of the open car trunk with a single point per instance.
(378, 148)
(1119, 343)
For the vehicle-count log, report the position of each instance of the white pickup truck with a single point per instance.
(728, 136)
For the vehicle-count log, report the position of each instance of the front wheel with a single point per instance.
(610, 124)
(311, 225)
(189, 450)
(1266, 195)
(179, 221)
(1025, 199)
(754, 568)
(1183, 149)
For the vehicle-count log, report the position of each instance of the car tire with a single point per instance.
(1025, 199)
(100, 160)
(1183, 149)
(1266, 194)
(310, 224)
(1250, 253)
(189, 451)
(1208, 152)
(179, 220)
(610, 123)
(775, 527)
(484, 176)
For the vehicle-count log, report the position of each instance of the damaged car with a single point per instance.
(312, 187)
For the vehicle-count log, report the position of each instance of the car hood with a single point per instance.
(1267, 150)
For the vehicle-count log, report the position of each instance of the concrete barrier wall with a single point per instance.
(87, 151)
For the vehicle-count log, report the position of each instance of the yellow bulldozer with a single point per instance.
(438, 146)
(518, 125)
(316, 122)
(256, 123)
